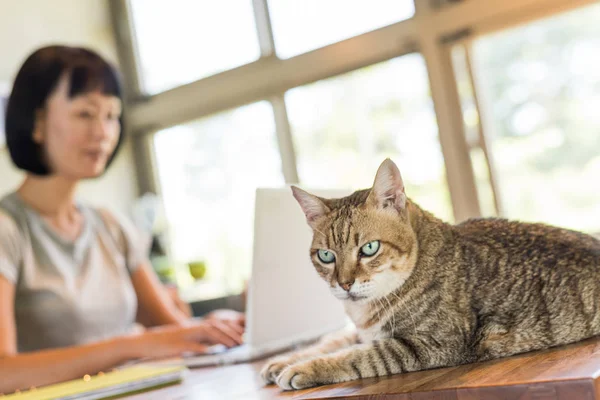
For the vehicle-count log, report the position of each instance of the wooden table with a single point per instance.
(568, 372)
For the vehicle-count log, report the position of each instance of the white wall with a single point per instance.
(28, 24)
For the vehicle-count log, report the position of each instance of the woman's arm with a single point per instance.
(21, 371)
(157, 306)
(153, 300)
(45, 367)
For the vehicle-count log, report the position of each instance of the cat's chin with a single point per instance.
(356, 299)
(351, 298)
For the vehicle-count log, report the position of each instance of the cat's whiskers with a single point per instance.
(380, 309)
(386, 313)
(383, 311)
(393, 313)
(407, 308)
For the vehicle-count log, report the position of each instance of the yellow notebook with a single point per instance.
(117, 382)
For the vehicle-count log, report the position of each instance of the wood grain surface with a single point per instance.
(566, 373)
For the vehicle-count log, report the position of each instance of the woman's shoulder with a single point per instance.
(10, 204)
(130, 240)
(11, 241)
(7, 223)
(10, 212)
(121, 222)
(111, 219)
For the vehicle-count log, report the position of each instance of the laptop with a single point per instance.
(288, 303)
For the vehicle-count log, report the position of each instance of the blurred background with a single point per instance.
(489, 107)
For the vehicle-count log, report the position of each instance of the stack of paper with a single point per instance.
(114, 383)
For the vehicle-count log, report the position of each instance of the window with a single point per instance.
(208, 172)
(344, 127)
(301, 26)
(180, 41)
(529, 100)
(540, 86)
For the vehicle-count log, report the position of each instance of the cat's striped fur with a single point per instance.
(437, 294)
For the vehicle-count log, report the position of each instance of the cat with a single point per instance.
(425, 294)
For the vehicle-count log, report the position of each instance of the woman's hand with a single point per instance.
(171, 341)
(233, 320)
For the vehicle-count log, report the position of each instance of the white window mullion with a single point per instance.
(282, 124)
(264, 28)
(444, 91)
(285, 141)
(482, 128)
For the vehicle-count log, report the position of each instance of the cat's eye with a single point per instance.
(370, 249)
(326, 256)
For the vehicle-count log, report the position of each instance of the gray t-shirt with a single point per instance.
(68, 292)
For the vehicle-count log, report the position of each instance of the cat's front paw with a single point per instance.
(304, 375)
(273, 368)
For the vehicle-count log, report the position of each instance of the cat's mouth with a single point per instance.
(355, 297)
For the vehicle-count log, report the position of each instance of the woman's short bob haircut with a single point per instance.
(35, 82)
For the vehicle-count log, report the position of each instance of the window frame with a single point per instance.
(435, 28)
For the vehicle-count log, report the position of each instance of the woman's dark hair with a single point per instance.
(36, 80)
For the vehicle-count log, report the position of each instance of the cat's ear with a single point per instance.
(388, 188)
(313, 207)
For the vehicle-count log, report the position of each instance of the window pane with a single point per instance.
(541, 87)
(180, 41)
(208, 173)
(344, 127)
(301, 26)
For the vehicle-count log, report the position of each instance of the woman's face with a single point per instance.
(79, 134)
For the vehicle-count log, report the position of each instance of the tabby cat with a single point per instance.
(425, 294)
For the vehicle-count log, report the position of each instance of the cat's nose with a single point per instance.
(347, 285)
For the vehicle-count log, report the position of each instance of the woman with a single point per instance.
(71, 276)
